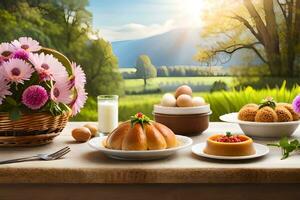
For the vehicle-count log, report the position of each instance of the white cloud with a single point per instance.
(135, 31)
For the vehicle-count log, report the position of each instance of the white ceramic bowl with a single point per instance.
(263, 129)
(97, 143)
(181, 110)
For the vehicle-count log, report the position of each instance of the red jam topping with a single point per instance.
(229, 138)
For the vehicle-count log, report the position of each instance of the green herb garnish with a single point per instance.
(228, 134)
(287, 146)
(269, 101)
(139, 118)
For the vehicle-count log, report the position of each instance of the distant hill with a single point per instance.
(176, 47)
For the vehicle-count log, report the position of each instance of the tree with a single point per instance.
(269, 28)
(162, 71)
(145, 69)
(101, 68)
(66, 26)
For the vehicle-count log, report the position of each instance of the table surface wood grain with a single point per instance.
(85, 165)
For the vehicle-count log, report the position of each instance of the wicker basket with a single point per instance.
(31, 129)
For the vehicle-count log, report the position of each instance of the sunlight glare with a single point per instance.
(192, 9)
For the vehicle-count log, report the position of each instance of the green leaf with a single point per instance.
(284, 142)
(11, 101)
(295, 143)
(286, 146)
(15, 114)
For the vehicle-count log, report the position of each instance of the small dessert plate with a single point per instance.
(263, 129)
(97, 143)
(260, 149)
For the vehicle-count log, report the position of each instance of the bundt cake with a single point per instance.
(140, 133)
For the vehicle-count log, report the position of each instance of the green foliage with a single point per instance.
(64, 25)
(145, 69)
(220, 102)
(101, 68)
(190, 71)
(287, 146)
(218, 86)
(169, 84)
(162, 71)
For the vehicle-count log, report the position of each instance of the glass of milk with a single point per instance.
(108, 116)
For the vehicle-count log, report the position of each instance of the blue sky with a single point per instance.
(133, 19)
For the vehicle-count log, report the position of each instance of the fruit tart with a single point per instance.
(140, 133)
(229, 145)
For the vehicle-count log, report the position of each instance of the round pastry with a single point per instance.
(289, 107)
(266, 114)
(283, 114)
(248, 112)
(140, 133)
(229, 145)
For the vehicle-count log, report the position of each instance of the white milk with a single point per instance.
(107, 115)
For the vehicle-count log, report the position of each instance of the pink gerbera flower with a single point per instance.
(79, 100)
(21, 54)
(6, 51)
(48, 67)
(34, 97)
(61, 93)
(78, 79)
(27, 43)
(4, 89)
(16, 70)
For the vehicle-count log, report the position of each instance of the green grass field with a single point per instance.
(138, 84)
(221, 102)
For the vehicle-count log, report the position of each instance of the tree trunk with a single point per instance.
(268, 33)
(145, 83)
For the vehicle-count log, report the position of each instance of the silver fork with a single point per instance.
(53, 156)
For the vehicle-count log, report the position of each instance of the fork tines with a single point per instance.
(60, 152)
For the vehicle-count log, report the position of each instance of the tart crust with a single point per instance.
(244, 148)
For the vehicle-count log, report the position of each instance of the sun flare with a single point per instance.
(192, 9)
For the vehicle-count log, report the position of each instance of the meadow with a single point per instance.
(166, 84)
(221, 102)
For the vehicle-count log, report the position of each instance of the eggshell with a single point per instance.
(184, 89)
(93, 128)
(198, 101)
(168, 100)
(81, 134)
(184, 100)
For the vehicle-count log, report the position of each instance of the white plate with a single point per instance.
(260, 149)
(97, 143)
(263, 129)
(181, 110)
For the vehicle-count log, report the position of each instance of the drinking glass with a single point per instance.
(108, 117)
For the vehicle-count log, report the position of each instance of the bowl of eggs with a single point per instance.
(183, 113)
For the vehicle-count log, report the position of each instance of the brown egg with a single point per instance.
(93, 128)
(81, 134)
(184, 89)
(184, 100)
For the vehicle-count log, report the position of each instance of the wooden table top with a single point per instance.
(85, 165)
